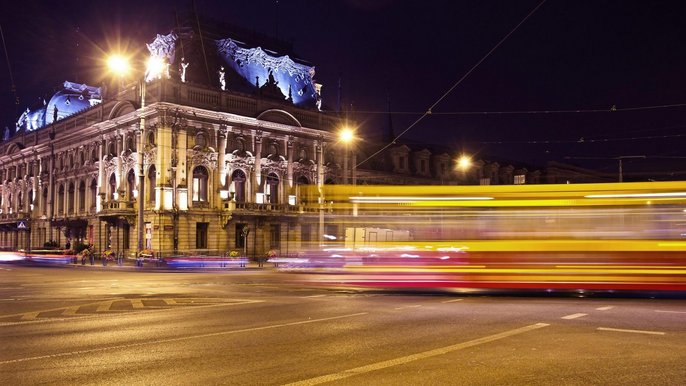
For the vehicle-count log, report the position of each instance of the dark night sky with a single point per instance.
(569, 55)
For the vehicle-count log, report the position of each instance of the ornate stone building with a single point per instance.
(214, 148)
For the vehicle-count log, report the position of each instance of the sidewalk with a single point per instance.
(153, 265)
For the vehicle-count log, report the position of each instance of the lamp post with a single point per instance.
(347, 137)
(120, 65)
(463, 163)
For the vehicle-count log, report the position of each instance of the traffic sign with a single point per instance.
(21, 225)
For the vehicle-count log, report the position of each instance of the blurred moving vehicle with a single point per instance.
(575, 236)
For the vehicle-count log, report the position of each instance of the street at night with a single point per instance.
(117, 325)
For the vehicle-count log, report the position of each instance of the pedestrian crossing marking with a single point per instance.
(122, 305)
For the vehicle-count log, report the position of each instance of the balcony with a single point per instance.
(273, 208)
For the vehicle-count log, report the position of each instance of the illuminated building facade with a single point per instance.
(223, 141)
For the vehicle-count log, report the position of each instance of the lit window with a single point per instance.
(519, 179)
(200, 177)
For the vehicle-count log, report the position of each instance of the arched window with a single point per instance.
(94, 155)
(131, 184)
(302, 197)
(238, 179)
(200, 177)
(130, 144)
(113, 186)
(70, 199)
(111, 150)
(82, 158)
(82, 196)
(20, 202)
(94, 193)
(152, 184)
(151, 138)
(272, 188)
(60, 200)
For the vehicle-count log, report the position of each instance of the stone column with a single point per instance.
(220, 173)
(289, 167)
(258, 162)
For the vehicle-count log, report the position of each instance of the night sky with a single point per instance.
(577, 60)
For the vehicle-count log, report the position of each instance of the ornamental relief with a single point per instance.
(237, 162)
(110, 165)
(307, 169)
(129, 161)
(149, 156)
(277, 167)
(204, 158)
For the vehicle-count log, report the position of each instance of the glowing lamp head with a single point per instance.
(347, 135)
(118, 65)
(464, 162)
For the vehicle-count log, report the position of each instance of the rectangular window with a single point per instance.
(519, 179)
(201, 235)
(274, 235)
(401, 163)
(422, 166)
(485, 181)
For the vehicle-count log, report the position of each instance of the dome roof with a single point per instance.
(73, 98)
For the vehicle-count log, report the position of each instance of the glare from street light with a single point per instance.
(464, 162)
(118, 65)
(346, 135)
(154, 68)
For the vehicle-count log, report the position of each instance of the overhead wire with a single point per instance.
(612, 109)
(429, 110)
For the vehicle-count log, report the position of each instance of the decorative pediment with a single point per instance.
(204, 158)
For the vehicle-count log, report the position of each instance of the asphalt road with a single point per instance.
(74, 326)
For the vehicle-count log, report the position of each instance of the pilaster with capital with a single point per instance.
(220, 173)
(289, 167)
(258, 157)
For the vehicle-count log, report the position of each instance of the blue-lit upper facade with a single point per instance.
(73, 98)
(257, 69)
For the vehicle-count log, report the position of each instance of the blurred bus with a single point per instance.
(574, 236)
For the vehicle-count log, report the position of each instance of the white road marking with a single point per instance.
(414, 357)
(178, 339)
(404, 307)
(605, 308)
(452, 300)
(313, 296)
(574, 316)
(671, 312)
(105, 306)
(634, 331)
(70, 310)
(137, 303)
(30, 316)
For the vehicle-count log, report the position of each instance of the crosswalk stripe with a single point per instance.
(30, 316)
(70, 310)
(137, 303)
(102, 307)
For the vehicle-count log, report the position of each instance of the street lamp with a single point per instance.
(464, 162)
(120, 66)
(347, 137)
